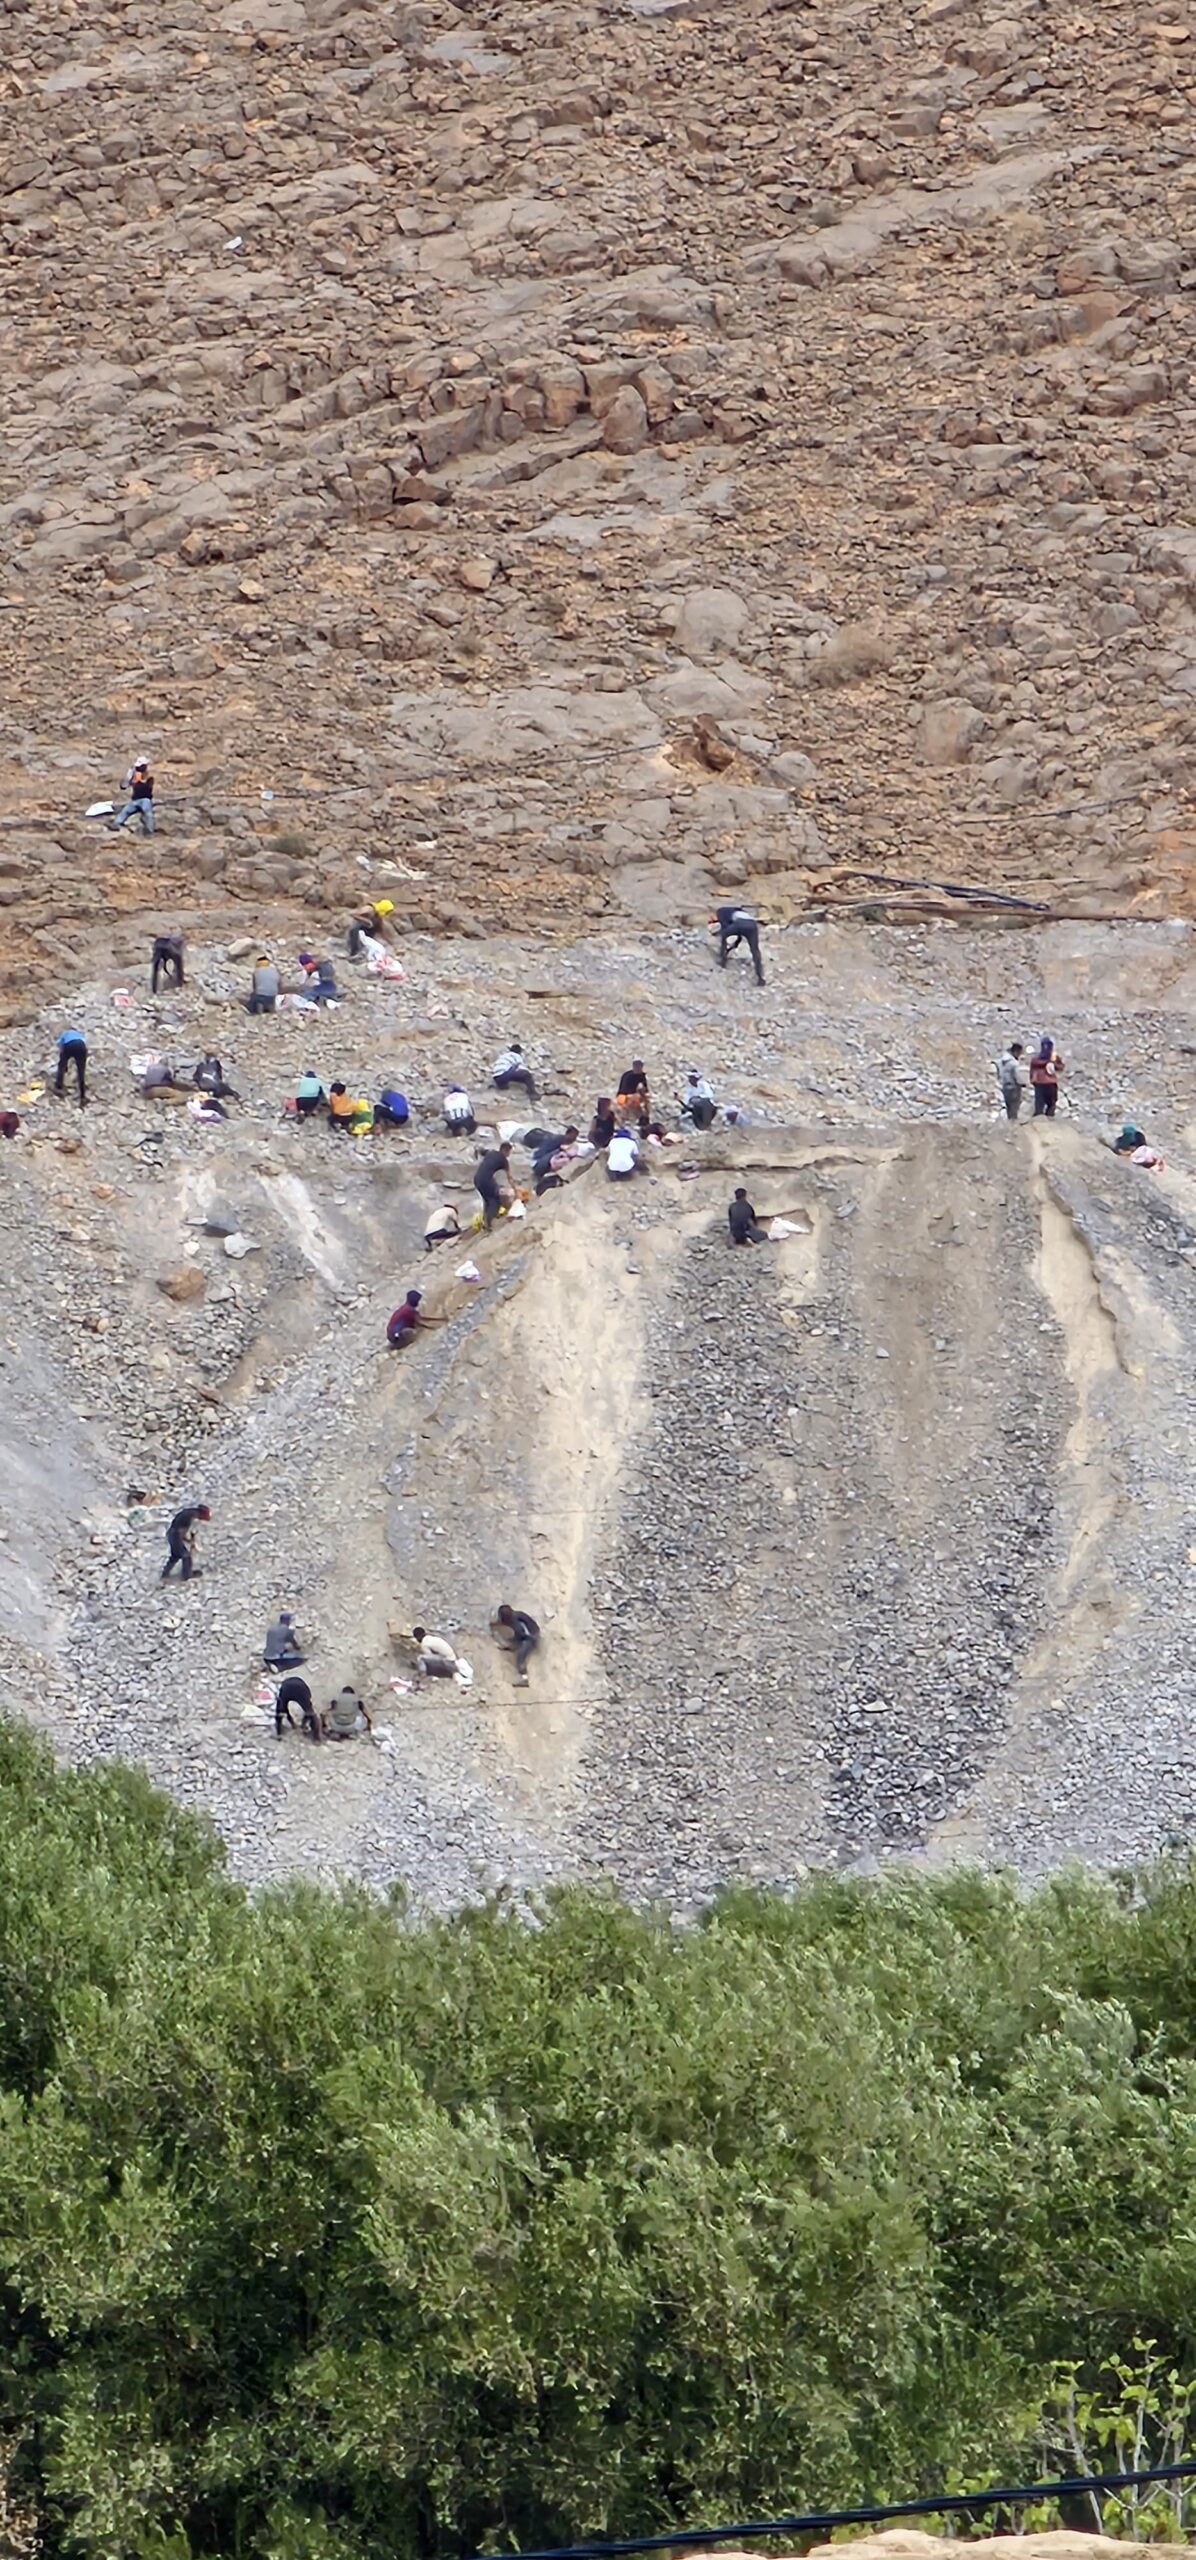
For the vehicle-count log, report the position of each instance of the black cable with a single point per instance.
(829, 2520)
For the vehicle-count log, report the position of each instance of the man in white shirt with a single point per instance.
(697, 1101)
(622, 1155)
(443, 1226)
(436, 1658)
(1011, 1077)
(458, 1113)
(512, 1068)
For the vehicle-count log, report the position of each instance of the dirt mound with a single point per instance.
(421, 429)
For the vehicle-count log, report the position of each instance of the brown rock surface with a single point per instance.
(877, 328)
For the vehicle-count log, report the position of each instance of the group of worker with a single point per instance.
(1042, 1077)
(346, 1713)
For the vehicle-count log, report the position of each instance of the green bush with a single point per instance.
(326, 2231)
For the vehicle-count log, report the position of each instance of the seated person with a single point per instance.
(321, 979)
(1129, 1140)
(346, 1716)
(341, 1108)
(404, 1324)
(742, 1220)
(161, 1079)
(283, 1650)
(309, 1095)
(697, 1101)
(602, 1126)
(209, 1078)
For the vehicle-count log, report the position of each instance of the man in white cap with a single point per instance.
(139, 783)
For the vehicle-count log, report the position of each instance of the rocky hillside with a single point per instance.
(421, 428)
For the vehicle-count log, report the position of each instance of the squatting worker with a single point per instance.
(406, 1320)
(180, 1541)
(742, 1220)
(496, 1161)
(512, 1068)
(436, 1658)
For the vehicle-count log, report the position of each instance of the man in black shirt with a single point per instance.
(166, 959)
(523, 1633)
(485, 1181)
(736, 925)
(180, 1540)
(742, 1221)
(294, 1692)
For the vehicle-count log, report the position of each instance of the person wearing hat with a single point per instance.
(283, 1650)
(321, 979)
(371, 924)
(697, 1101)
(180, 1541)
(139, 783)
(263, 993)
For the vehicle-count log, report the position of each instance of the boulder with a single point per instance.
(625, 426)
(184, 1286)
(710, 624)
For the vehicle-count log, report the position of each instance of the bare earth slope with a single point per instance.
(873, 1542)
(428, 418)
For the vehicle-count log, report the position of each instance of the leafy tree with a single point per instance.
(330, 2232)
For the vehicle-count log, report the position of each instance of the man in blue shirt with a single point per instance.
(72, 1052)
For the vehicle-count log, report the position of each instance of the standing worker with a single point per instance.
(180, 1540)
(139, 783)
(1010, 1078)
(72, 1052)
(166, 957)
(485, 1181)
(521, 1631)
(736, 925)
(1046, 1067)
